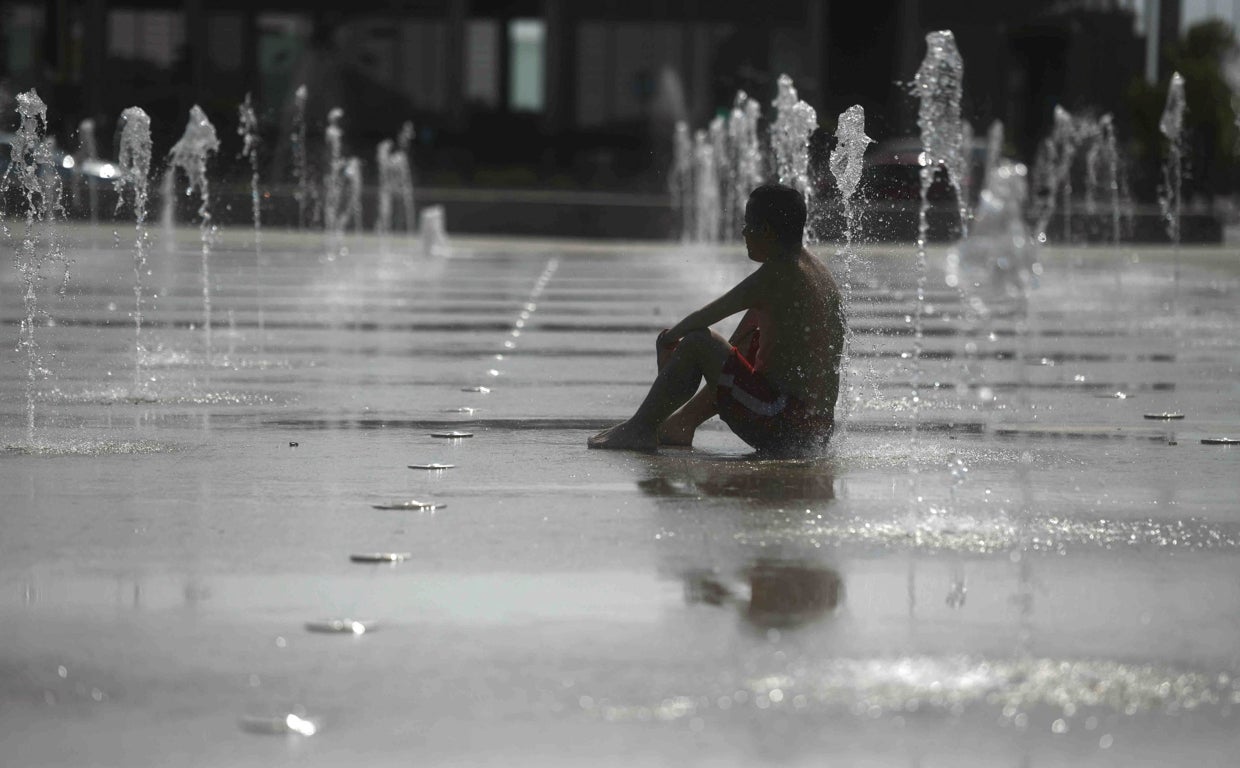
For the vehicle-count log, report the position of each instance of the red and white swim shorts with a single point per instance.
(761, 415)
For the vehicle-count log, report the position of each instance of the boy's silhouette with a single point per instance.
(776, 381)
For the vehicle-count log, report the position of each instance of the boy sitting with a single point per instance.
(779, 394)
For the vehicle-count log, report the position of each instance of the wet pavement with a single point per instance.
(1022, 571)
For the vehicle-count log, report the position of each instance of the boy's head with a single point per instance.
(775, 217)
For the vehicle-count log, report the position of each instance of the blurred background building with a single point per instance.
(580, 95)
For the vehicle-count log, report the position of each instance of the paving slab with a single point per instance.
(981, 580)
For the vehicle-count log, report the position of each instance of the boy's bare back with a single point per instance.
(797, 309)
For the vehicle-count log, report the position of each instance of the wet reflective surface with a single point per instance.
(1030, 575)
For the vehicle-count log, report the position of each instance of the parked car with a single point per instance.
(91, 169)
(893, 172)
(62, 161)
(78, 177)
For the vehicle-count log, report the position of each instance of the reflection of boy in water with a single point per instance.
(782, 595)
(777, 394)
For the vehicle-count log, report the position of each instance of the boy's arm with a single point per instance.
(748, 324)
(744, 295)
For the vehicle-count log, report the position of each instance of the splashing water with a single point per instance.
(1104, 171)
(395, 180)
(333, 179)
(402, 162)
(1053, 172)
(247, 129)
(705, 189)
(354, 179)
(433, 231)
(724, 173)
(966, 178)
(994, 269)
(88, 150)
(938, 87)
(846, 166)
(1044, 186)
(746, 153)
(994, 150)
(134, 171)
(1053, 166)
(995, 264)
(1094, 170)
(301, 170)
(1104, 174)
(1171, 125)
(190, 154)
(794, 122)
(387, 186)
(680, 181)
(32, 168)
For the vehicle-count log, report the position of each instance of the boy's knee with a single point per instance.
(704, 347)
(697, 336)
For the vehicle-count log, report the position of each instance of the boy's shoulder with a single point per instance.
(806, 264)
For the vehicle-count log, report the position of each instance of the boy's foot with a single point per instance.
(674, 436)
(624, 437)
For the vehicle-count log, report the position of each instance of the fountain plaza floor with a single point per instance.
(1039, 577)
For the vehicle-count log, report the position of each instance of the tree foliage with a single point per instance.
(1207, 56)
